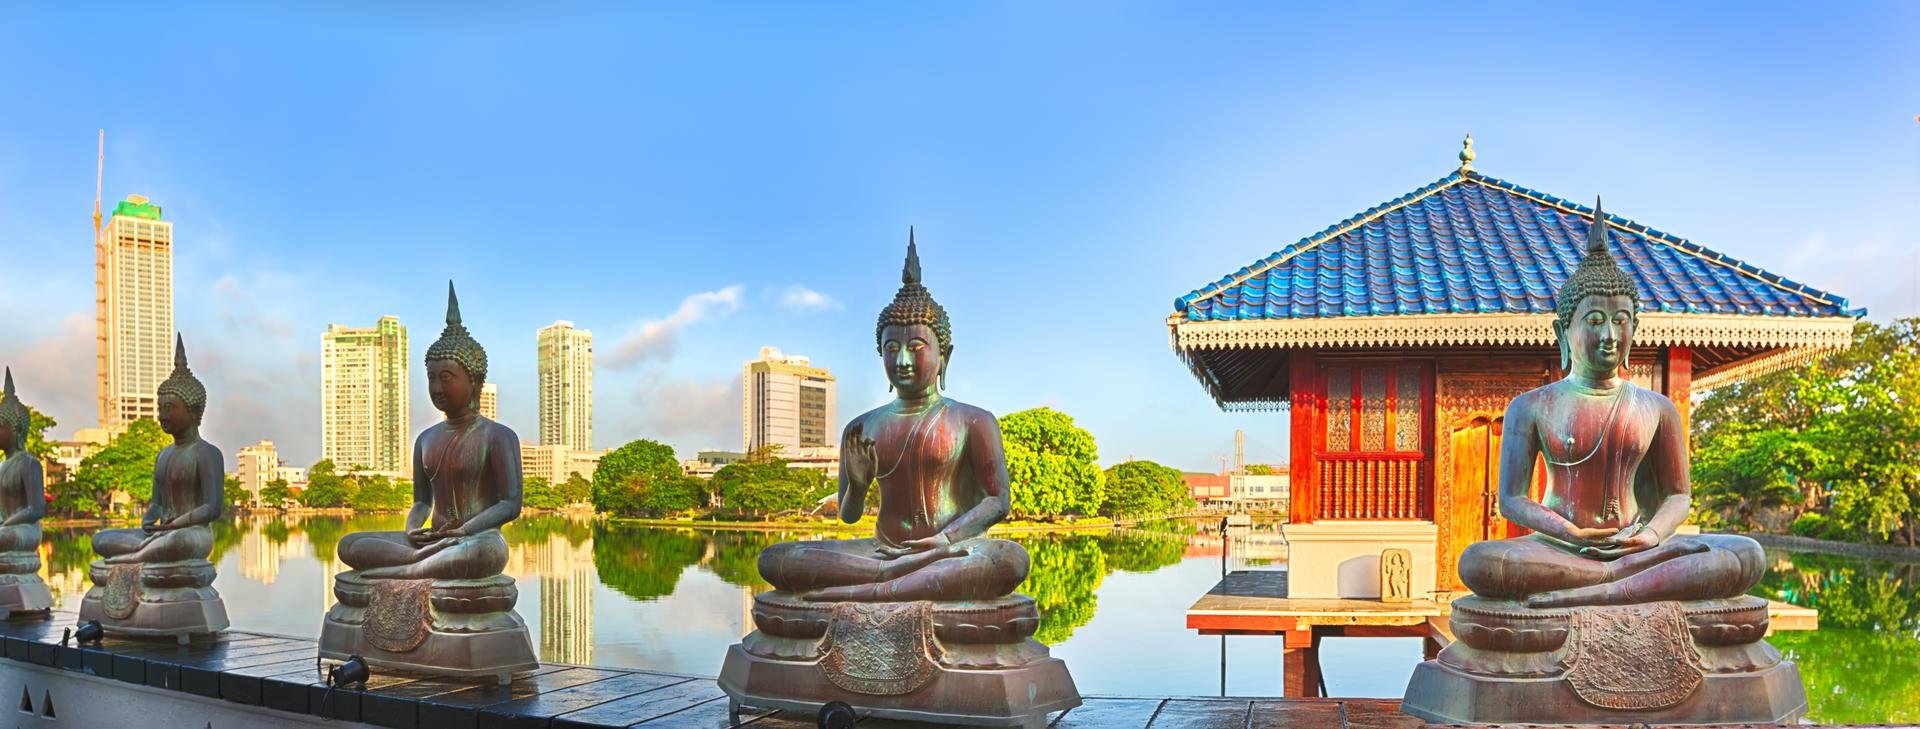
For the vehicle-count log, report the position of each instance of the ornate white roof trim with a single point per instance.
(1425, 330)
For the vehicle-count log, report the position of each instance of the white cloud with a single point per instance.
(656, 339)
(803, 299)
(55, 374)
(690, 414)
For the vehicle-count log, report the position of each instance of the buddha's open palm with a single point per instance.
(862, 448)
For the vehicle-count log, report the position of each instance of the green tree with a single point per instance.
(1144, 488)
(1750, 473)
(538, 493)
(1858, 410)
(378, 493)
(577, 490)
(661, 497)
(276, 493)
(1050, 462)
(1259, 469)
(125, 464)
(233, 492)
(761, 487)
(627, 471)
(37, 425)
(325, 488)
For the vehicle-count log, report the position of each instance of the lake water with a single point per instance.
(1114, 605)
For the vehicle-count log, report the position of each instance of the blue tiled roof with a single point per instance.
(1469, 243)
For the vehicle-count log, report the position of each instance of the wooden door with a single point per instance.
(1476, 485)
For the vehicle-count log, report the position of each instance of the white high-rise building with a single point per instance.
(490, 401)
(255, 465)
(566, 386)
(364, 402)
(787, 402)
(133, 311)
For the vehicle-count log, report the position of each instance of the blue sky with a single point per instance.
(693, 182)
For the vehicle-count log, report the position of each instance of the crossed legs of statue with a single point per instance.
(1546, 576)
(852, 570)
(136, 546)
(391, 556)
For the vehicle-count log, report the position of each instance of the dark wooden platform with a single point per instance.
(282, 672)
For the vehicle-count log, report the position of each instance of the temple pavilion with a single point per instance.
(1396, 338)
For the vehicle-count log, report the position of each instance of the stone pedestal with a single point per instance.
(21, 589)
(461, 628)
(946, 662)
(156, 599)
(1696, 662)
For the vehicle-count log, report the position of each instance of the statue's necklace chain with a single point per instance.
(1612, 508)
(1619, 393)
(913, 436)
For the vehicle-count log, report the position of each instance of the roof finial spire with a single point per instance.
(1466, 154)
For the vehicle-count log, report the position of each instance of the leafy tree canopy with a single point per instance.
(1143, 488)
(1050, 463)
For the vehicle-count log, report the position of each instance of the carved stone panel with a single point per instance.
(1396, 575)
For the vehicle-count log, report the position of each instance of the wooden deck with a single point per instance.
(281, 672)
(1255, 602)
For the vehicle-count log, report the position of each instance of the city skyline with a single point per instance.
(1066, 187)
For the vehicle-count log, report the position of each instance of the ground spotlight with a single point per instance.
(91, 632)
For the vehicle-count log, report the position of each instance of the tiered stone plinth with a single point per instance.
(467, 628)
(949, 662)
(1693, 662)
(21, 589)
(156, 599)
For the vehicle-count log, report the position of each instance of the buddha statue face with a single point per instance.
(450, 386)
(911, 355)
(1600, 333)
(175, 416)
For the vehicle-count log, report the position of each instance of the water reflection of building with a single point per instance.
(566, 595)
(260, 556)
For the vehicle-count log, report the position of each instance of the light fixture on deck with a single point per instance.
(355, 670)
(91, 632)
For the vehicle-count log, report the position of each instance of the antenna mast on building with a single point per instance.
(1239, 451)
(99, 171)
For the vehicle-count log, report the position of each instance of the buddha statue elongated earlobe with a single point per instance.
(1566, 352)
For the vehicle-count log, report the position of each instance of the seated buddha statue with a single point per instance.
(942, 472)
(1617, 477)
(1604, 614)
(918, 621)
(22, 503)
(167, 553)
(466, 480)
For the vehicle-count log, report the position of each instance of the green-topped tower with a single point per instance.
(133, 299)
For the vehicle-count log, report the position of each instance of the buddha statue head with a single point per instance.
(1597, 309)
(14, 418)
(913, 335)
(456, 364)
(182, 399)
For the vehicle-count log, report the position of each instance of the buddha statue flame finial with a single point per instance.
(14, 412)
(182, 384)
(456, 345)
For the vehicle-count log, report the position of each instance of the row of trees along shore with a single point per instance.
(1050, 461)
(1830, 450)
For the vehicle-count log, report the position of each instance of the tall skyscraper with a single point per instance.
(133, 317)
(255, 465)
(490, 401)
(363, 396)
(566, 386)
(786, 401)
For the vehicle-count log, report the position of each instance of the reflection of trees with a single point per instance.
(1067, 569)
(1142, 554)
(1863, 664)
(643, 563)
(736, 557)
(226, 535)
(538, 529)
(72, 549)
(276, 531)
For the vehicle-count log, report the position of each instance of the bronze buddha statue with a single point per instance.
(23, 503)
(155, 579)
(1604, 593)
(466, 479)
(920, 620)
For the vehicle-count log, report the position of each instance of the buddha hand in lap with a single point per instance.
(1617, 479)
(943, 482)
(187, 483)
(466, 477)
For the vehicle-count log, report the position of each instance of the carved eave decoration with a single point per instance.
(1775, 342)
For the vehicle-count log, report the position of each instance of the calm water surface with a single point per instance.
(1114, 604)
